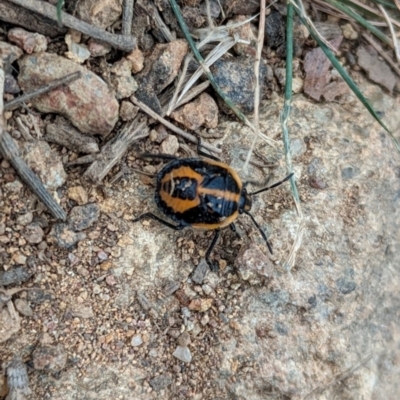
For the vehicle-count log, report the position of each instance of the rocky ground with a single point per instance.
(98, 307)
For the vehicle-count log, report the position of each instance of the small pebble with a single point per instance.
(78, 194)
(200, 271)
(19, 258)
(171, 287)
(136, 341)
(349, 32)
(136, 59)
(160, 382)
(170, 145)
(64, 236)
(200, 304)
(33, 233)
(207, 289)
(23, 307)
(153, 353)
(38, 296)
(128, 111)
(25, 219)
(184, 339)
(174, 332)
(14, 275)
(82, 217)
(13, 187)
(49, 358)
(183, 354)
(204, 321)
(80, 311)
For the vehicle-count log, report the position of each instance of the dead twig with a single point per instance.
(64, 134)
(113, 150)
(153, 13)
(171, 126)
(44, 89)
(125, 43)
(10, 151)
(17, 15)
(127, 17)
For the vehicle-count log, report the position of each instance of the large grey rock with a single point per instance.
(328, 327)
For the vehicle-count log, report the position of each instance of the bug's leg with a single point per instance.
(233, 229)
(160, 220)
(213, 266)
(201, 152)
(261, 232)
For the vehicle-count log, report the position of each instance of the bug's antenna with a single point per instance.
(272, 186)
(260, 230)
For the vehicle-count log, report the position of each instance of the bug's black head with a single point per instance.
(245, 201)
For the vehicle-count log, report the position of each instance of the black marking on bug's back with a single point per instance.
(211, 209)
(219, 179)
(182, 188)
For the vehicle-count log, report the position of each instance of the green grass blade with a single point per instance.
(60, 4)
(346, 77)
(363, 22)
(385, 3)
(364, 12)
(288, 97)
(199, 58)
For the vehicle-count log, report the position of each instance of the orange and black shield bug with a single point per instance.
(202, 193)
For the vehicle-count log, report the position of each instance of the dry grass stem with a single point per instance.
(373, 11)
(218, 33)
(172, 103)
(211, 58)
(192, 93)
(392, 32)
(299, 6)
(291, 260)
(209, 18)
(260, 43)
(171, 126)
